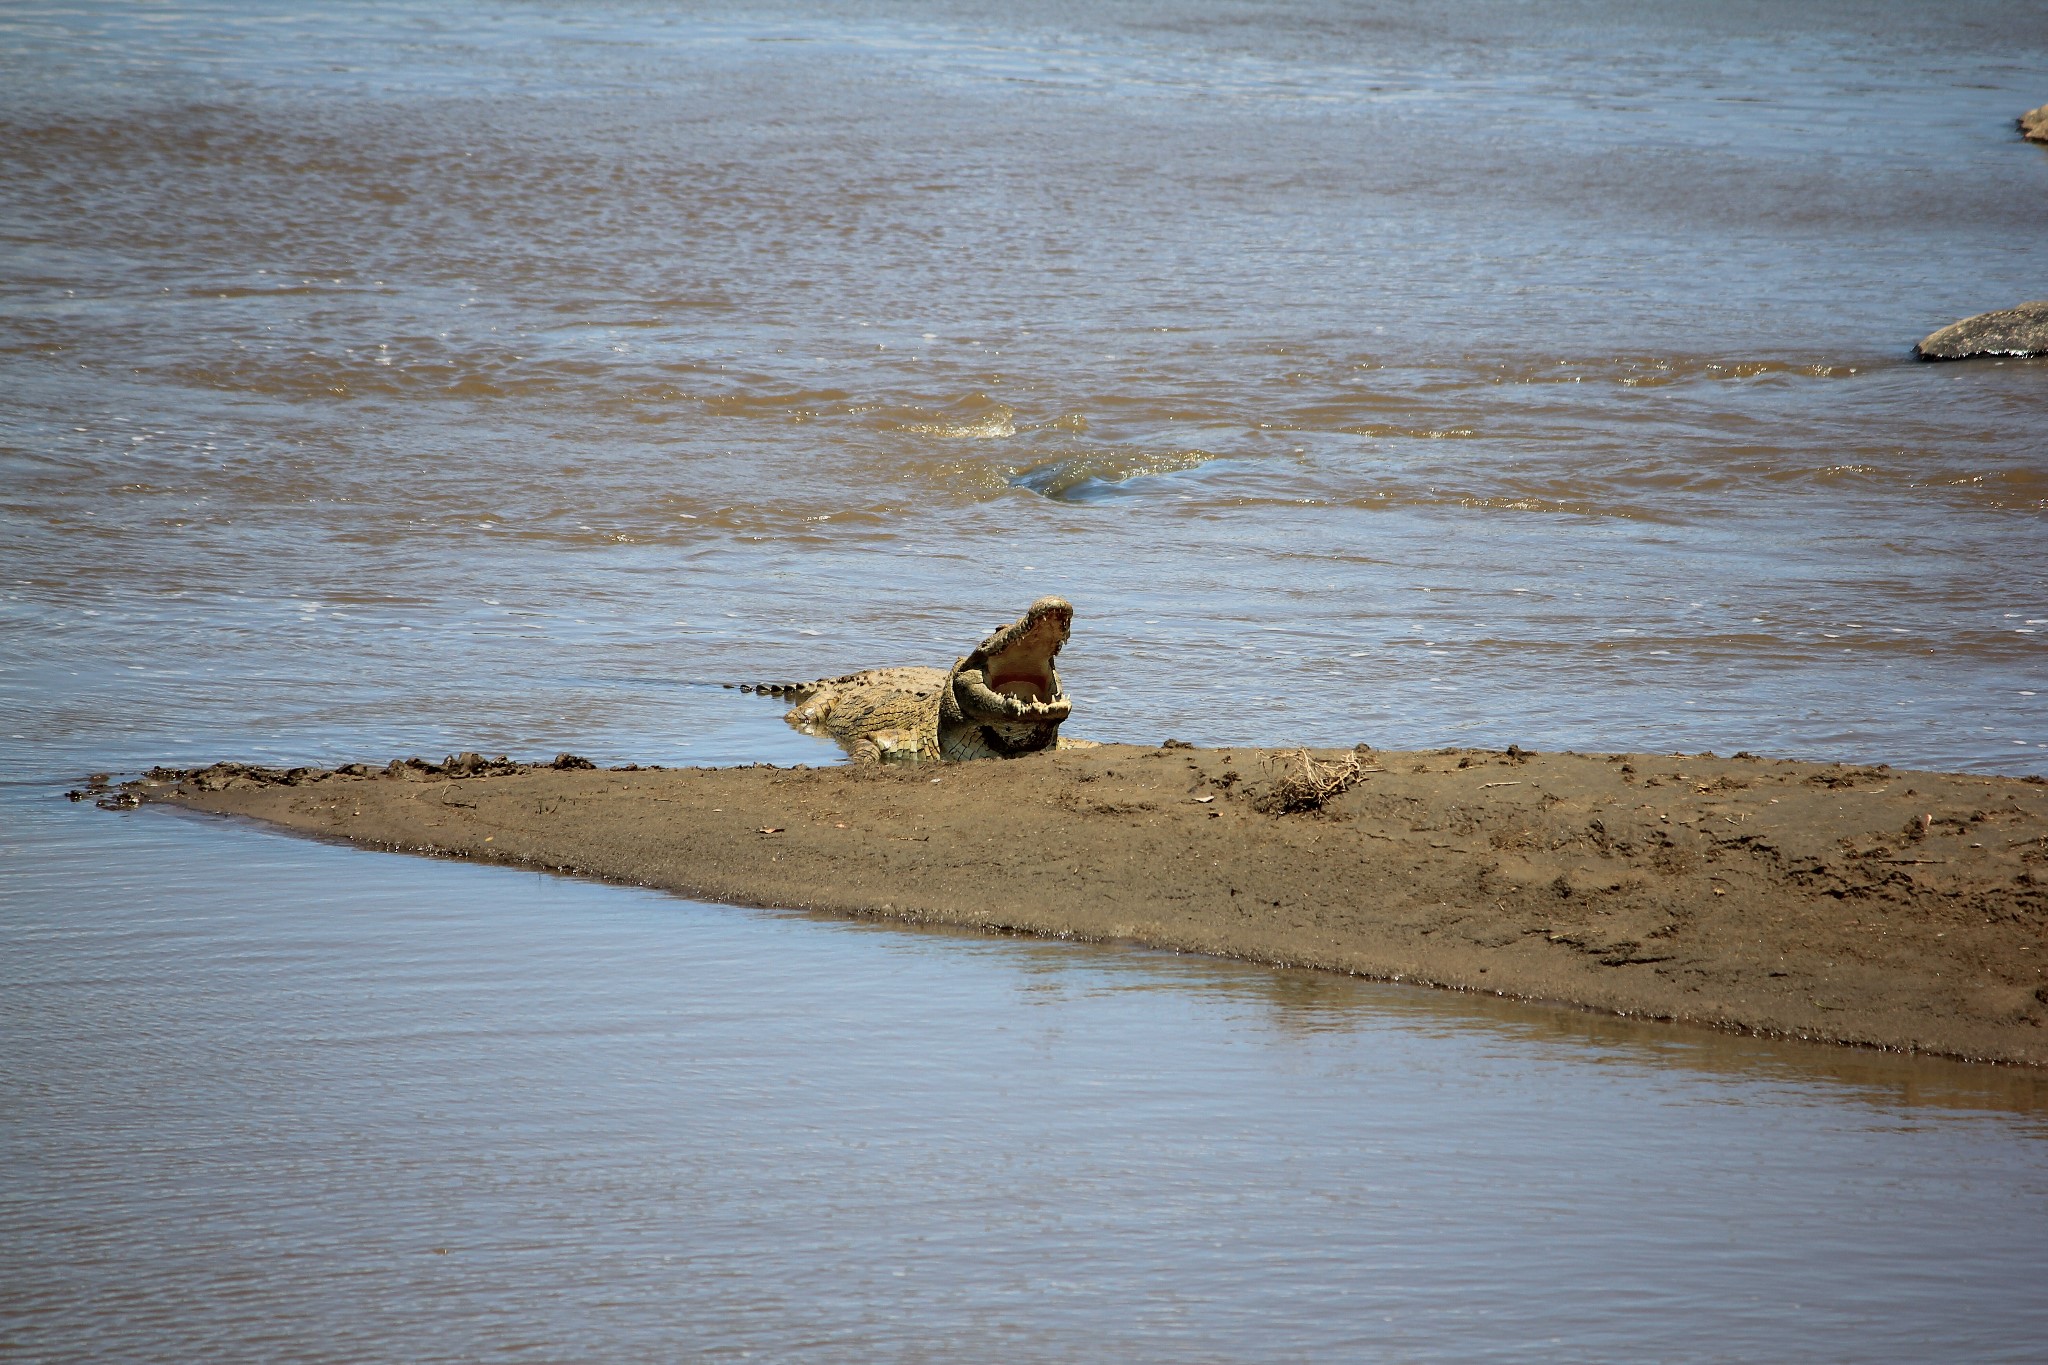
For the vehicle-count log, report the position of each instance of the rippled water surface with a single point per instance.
(399, 378)
(403, 374)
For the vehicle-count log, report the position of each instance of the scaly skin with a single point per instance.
(1002, 700)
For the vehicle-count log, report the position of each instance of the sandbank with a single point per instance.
(1856, 905)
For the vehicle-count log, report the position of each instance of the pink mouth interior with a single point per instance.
(1035, 683)
(1025, 668)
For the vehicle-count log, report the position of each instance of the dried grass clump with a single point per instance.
(1303, 782)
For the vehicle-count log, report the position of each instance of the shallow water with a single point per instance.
(403, 378)
(349, 1106)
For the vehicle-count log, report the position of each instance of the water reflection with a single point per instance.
(1295, 1001)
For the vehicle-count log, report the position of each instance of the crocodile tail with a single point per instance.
(791, 691)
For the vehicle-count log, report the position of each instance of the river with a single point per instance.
(389, 378)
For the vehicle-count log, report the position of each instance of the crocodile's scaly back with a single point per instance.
(1001, 700)
(889, 715)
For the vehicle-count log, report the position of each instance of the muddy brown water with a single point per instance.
(1439, 374)
(382, 378)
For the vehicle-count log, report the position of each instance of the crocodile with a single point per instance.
(1001, 700)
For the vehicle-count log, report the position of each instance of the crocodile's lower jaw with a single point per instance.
(960, 742)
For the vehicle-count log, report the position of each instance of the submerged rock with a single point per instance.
(2034, 125)
(2009, 331)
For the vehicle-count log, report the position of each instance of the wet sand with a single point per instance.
(1868, 906)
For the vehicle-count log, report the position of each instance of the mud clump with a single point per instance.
(170, 783)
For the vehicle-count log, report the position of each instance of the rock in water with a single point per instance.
(2034, 124)
(2009, 331)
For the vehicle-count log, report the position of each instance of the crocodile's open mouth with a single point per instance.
(1022, 666)
(1010, 675)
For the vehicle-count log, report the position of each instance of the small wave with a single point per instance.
(1096, 474)
(998, 422)
(403, 368)
(1385, 430)
(1652, 371)
(1390, 498)
(791, 405)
